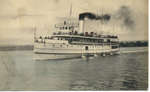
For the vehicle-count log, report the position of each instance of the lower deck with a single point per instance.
(73, 49)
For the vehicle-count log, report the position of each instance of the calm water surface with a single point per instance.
(127, 71)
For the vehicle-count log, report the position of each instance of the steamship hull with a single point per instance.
(62, 51)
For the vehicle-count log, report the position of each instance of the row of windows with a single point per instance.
(87, 40)
(114, 47)
(93, 46)
(62, 28)
(82, 40)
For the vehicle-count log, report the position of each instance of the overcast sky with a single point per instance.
(19, 17)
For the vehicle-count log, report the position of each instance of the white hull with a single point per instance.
(62, 51)
(76, 49)
(55, 56)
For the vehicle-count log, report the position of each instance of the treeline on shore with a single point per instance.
(133, 43)
(30, 47)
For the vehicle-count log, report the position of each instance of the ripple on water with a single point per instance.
(81, 85)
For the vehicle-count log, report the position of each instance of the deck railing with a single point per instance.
(87, 35)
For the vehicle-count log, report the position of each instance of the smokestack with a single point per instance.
(91, 16)
(82, 18)
(81, 26)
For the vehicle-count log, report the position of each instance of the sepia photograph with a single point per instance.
(73, 45)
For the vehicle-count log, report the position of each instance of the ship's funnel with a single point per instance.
(81, 26)
(82, 18)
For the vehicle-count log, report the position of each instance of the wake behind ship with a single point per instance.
(72, 40)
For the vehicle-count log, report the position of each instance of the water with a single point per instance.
(127, 71)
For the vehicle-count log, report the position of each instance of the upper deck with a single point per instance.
(87, 39)
(70, 35)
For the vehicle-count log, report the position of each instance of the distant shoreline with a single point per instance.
(16, 47)
(30, 47)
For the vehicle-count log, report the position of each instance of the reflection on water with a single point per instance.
(18, 71)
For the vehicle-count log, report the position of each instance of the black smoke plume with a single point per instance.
(125, 15)
(92, 16)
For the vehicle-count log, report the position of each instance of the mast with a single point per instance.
(97, 23)
(70, 14)
(102, 23)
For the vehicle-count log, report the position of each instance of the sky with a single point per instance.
(19, 18)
